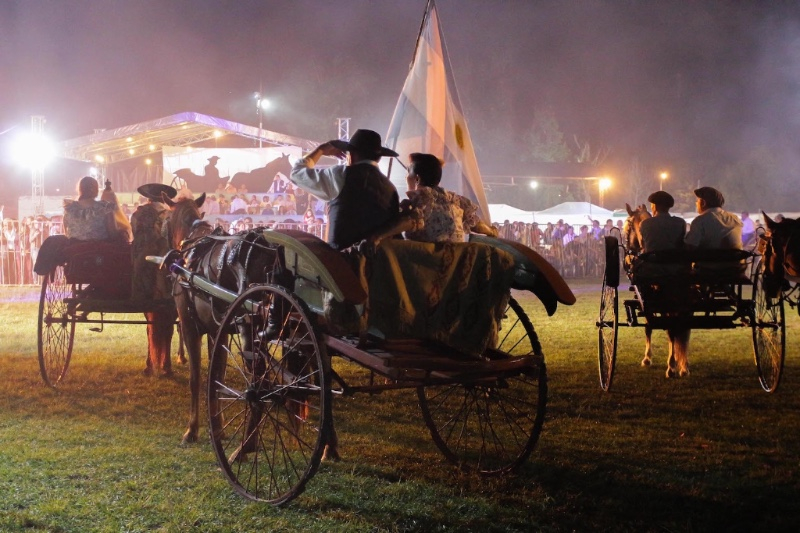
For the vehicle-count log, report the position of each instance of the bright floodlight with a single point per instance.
(605, 184)
(533, 184)
(264, 104)
(32, 151)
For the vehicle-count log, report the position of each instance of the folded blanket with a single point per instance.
(452, 293)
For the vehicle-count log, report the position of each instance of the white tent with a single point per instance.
(574, 213)
(502, 212)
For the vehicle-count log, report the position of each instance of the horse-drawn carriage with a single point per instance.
(681, 290)
(83, 283)
(271, 381)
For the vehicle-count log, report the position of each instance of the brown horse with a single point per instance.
(230, 261)
(780, 248)
(677, 360)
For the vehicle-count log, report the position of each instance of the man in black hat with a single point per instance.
(662, 231)
(714, 228)
(148, 282)
(360, 198)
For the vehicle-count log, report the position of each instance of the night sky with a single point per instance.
(691, 86)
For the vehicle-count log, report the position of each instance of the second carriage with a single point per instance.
(696, 289)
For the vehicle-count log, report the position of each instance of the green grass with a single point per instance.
(710, 452)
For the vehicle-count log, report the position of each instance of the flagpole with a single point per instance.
(428, 6)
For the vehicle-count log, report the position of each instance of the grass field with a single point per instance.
(711, 452)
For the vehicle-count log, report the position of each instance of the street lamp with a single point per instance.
(663, 176)
(262, 104)
(603, 185)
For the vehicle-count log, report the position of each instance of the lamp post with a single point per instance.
(603, 185)
(663, 176)
(261, 105)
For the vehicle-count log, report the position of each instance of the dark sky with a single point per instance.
(689, 84)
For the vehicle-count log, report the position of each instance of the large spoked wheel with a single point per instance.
(269, 399)
(492, 425)
(56, 327)
(769, 331)
(608, 321)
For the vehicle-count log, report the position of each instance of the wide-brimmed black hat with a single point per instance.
(152, 191)
(712, 196)
(365, 142)
(661, 198)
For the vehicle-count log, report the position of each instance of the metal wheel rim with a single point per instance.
(607, 327)
(268, 422)
(769, 335)
(491, 427)
(56, 328)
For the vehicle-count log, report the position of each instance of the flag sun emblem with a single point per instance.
(459, 136)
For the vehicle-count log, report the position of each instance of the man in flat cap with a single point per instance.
(662, 231)
(714, 228)
(148, 282)
(360, 198)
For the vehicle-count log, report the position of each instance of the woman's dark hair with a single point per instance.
(428, 167)
(88, 188)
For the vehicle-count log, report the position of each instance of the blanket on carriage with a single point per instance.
(452, 293)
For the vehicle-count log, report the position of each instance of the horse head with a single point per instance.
(183, 220)
(630, 230)
(782, 250)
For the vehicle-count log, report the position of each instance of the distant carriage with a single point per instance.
(697, 289)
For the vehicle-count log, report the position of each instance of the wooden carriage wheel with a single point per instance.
(56, 329)
(608, 320)
(769, 331)
(269, 399)
(491, 425)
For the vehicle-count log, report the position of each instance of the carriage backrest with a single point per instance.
(104, 265)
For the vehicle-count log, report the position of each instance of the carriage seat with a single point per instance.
(692, 267)
(102, 269)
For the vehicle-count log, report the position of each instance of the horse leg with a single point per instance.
(682, 349)
(162, 330)
(671, 363)
(331, 452)
(648, 349)
(192, 339)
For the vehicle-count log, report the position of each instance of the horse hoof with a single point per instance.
(147, 371)
(330, 454)
(684, 372)
(645, 362)
(189, 438)
(671, 373)
(166, 373)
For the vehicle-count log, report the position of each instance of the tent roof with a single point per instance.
(576, 208)
(540, 170)
(182, 129)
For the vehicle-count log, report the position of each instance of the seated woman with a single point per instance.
(87, 219)
(432, 214)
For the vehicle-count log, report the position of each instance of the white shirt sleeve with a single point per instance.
(324, 183)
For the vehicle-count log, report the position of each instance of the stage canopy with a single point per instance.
(146, 138)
